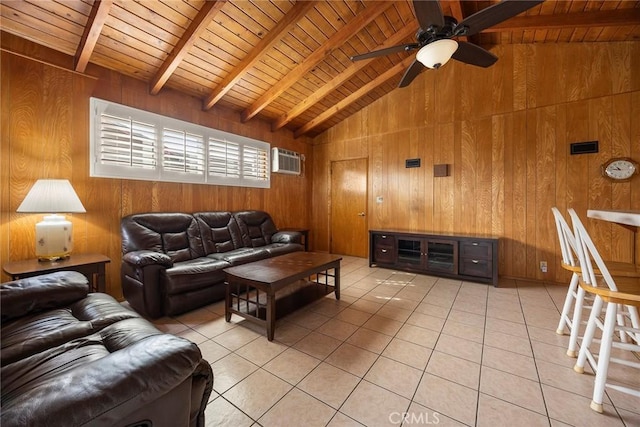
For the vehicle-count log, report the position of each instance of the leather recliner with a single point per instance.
(74, 358)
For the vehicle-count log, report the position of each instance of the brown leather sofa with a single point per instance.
(174, 262)
(73, 358)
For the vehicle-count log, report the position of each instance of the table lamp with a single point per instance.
(54, 234)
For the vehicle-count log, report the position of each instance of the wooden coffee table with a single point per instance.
(251, 288)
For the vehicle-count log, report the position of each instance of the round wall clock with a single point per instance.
(619, 168)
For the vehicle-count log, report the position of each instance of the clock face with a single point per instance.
(620, 169)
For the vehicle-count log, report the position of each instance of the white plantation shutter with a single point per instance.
(182, 152)
(255, 163)
(224, 158)
(126, 142)
(130, 143)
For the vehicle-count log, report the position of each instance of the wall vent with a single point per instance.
(285, 161)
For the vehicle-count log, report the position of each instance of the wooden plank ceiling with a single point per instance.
(286, 61)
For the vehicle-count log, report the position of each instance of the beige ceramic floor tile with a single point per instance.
(383, 325)
(494, 412)
(216, 326)
(503, 313)
(329, 384)
(510, 362)
(352, 359)
(257, 393)
(341, 420)
(222, 413)
(442, 301)
(298, 409)
(317, 345)
(454, 369)
(520, 345)
(408, 353)
(369, 340)
(504, 326)
(470, 319)
(306, 319)
(192, 336)
(366, 306)
(446, 397)
(512, 388)
(261, 350)
(394, 376)
(566, 378)
(374, 406)
(291, 365)
(353, 316)
(212, 352)
(337, 329)
(464, 331)
(460, 348)
(548, 336)
(426, 321)
(552, 353)
(433, 310)
(289, 333)
(237, 337)
(197, 317)
(418, 335)
(419, 415)
(229, 371)
(395, 313)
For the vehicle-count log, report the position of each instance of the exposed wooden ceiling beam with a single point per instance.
(336, 40)
(382, 78)
(93, 28)
(299, 10)
(342, 77)
(599, 18)
(197, 26)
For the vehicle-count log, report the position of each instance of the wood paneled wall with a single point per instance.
(45, 134)
(505, 132)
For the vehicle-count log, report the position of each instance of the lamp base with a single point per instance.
(53, 238)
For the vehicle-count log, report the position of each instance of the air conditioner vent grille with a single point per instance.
(285, 161)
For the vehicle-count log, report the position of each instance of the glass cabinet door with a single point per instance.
(409, 251)
(442, 255)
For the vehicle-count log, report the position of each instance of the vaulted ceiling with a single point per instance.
(286, 61)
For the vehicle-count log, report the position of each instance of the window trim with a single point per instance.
(158, 172)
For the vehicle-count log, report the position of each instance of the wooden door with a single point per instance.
(349, 225)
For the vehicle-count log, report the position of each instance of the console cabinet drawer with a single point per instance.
(476, 250)
(384, 254)
(476, 267)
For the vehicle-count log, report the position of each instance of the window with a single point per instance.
(136, 144)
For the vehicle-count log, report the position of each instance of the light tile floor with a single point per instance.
(403, 349)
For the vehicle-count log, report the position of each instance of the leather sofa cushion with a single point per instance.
(241, 256)
(193, 274)
(276, 249)
(220, 231)
(41, 331)
(174, 234)
(257, 227)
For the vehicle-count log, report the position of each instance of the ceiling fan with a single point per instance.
(435, 40)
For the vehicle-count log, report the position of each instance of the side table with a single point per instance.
(305, 235)
(91, 265)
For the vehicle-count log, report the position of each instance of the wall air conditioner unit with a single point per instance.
(285, 161)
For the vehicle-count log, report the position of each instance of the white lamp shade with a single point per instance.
(54, 234)
(437, 53)
(51, 196)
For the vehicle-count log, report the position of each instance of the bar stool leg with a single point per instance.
(603, 357)
(564, 317)
(588, 335)
(576, 321)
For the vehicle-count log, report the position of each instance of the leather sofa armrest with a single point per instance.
(121, 383)
(144, 257)
(44, 292)
(287, 237)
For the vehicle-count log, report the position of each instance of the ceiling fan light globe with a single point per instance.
(437, 53)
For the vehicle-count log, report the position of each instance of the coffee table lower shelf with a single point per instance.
(266, 290)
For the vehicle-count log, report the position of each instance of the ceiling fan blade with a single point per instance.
(387, 51)
(428, 13)
(470, 53)
(411, 73)
(495, 14)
